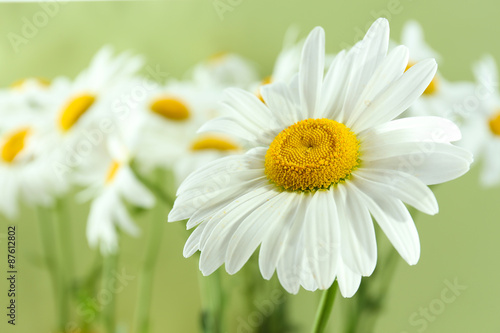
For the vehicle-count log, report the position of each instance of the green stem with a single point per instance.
(109, 309)
(213, 303)
(47, 234)
(146, 277)
(66, 265)
(325, 308)
(158, 191)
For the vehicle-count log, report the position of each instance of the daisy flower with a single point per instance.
(25, 175)
(110, 184)
(224, 70)
(442, 97)
(325, 154)
(168, 120)
(481, 129)
(83, 104)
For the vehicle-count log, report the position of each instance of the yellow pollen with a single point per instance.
(20, 83)
(213, 142)
(432, 88)
(264, 82)
(112, 171)
(312, 154)
(495, 123)
(14, 144)
(170, 108)
(74, 109)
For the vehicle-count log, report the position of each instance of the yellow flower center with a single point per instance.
(14, 144)
(432, 88)
(170, 108)
(264, 82)
(20, 83)
(312, 154)
(495, 123)
(74, 109)
(213, 142)
(113, 168)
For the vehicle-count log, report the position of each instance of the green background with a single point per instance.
(461, 242)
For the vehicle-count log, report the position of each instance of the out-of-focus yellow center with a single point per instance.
(74, 109)
(312, 154)
(433, 87)
(14, 144)
(170, 108)
(20, 83)
(113, 168)
(217, 58)
(495, 123)
(264, 82)
(213, 142)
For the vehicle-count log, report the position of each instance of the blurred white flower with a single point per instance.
(325, 155)
(167, 123)
(110, 184)
(86, 106)
(224, 70)
(442, 97)
(481, 130)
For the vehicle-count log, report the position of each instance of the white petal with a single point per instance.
(490, 174)
(402, 186)
(214, 244)
(273, 244)
(369, 53)
(254, 228)
(322, 238)
(398, 96)
(278, 98)
(395, 221)
(391, 69)
(433, 129)
(358, 243)
(290, 265)
(311, 70)
(348, 280)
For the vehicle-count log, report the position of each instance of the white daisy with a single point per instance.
(326, 154)
(442, 97)
(481, 129)
(25, 176)
(110, 183)
(167, 123)
(224, 70)
(83, 104)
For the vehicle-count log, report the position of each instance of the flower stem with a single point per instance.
(325, 308)
(47, 234)
(146, 277)
(213, 303)
(109, 308)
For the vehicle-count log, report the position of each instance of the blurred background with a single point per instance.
(459, 245)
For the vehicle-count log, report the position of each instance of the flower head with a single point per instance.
(324, 156)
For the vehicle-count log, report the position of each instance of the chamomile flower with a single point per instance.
(442, 97)
(481, 129)
(87, 100)
(224, 70)
(168, 120)
(325, 156)
(25, 175)
(110, 184)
